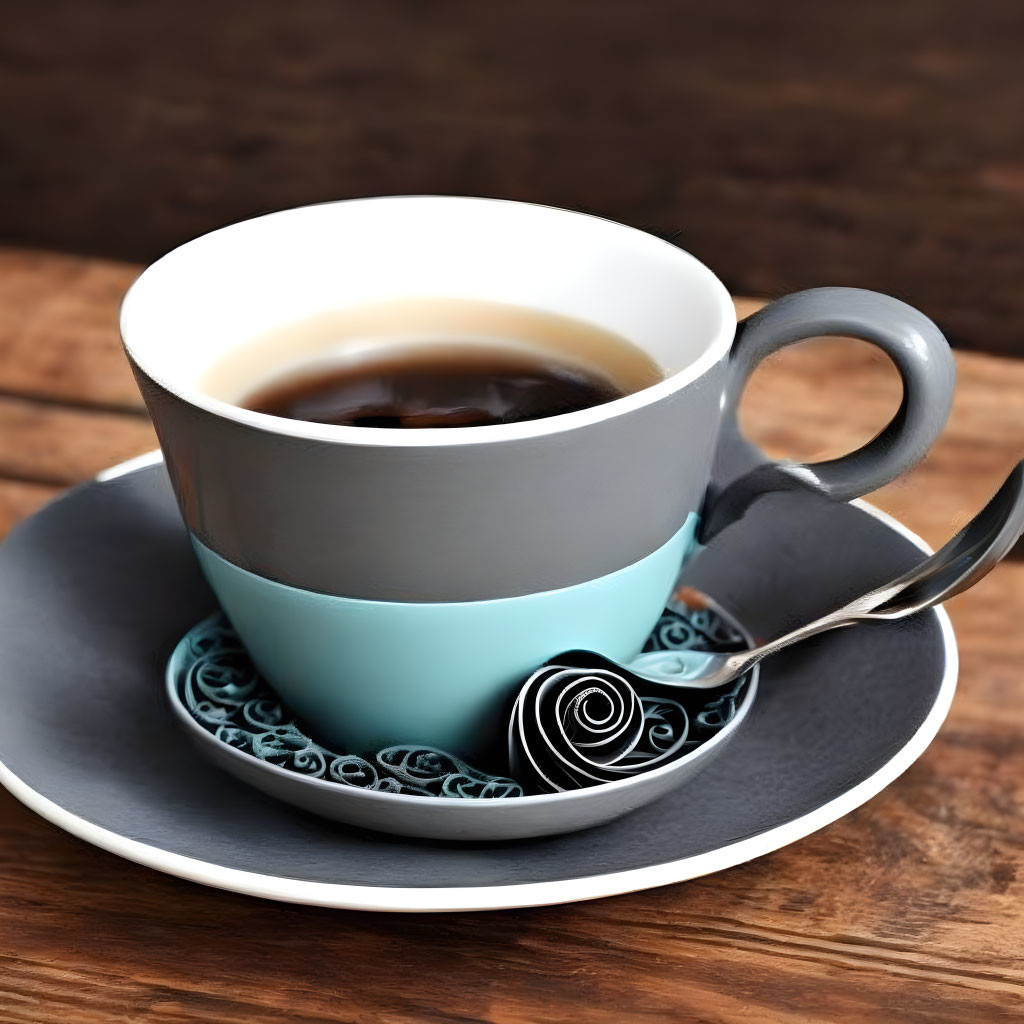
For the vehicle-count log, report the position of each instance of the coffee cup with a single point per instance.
(395, 586)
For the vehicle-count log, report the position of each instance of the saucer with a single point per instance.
(96, 589)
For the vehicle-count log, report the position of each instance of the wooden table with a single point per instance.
(909, 909)
(786, 144)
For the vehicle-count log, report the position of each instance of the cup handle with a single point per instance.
(911, 341)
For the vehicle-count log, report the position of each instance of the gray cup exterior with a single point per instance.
(447, 523)
(498, 516)
(505, 518)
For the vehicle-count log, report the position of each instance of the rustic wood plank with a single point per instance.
(907, 910)
(59, 445)
(58, 329)
(781, 160)
(788, 938)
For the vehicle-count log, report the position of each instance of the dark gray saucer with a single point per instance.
(96, 589)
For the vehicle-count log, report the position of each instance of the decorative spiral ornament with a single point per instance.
(224, 692)
(674, 632)
(688, 629)
(223, 675)
(443, 774)
(580, 720)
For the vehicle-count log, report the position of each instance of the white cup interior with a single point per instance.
(216, 293)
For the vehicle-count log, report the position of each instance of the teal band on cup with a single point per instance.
(368, 674)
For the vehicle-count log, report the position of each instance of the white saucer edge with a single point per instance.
(150, 458)
(399, 899)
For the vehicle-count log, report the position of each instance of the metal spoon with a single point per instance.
(959, 564)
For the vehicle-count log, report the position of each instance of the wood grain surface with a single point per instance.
(909, 909)
(787, 144)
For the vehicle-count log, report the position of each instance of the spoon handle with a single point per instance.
(957, 565)
(676, 668)
(734, 665)
(966, 558)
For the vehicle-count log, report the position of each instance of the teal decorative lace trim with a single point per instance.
(689, 629)
(223, 691)
(226, 695)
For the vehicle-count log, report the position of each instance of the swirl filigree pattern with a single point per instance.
(579, 720)
(686, 629)
(582, 720)
(224, 693)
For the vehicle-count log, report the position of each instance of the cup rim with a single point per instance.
(715, 350)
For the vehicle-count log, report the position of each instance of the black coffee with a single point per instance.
(415, 363)
(437, 387)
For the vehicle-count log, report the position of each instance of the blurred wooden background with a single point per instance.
(787, 144)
